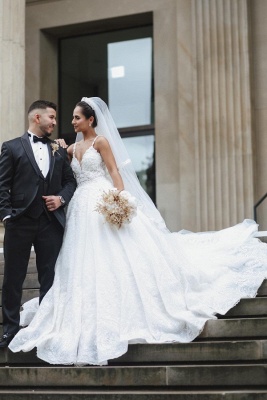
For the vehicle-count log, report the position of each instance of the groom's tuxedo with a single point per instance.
(22, 186)
(20, 178)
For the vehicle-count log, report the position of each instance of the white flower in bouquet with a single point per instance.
(117, 207)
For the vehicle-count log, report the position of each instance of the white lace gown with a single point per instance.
(134, 284)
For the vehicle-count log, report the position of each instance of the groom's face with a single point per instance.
(47, 121)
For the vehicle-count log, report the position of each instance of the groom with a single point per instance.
(36, 182)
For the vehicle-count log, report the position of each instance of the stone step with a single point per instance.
(31, 266)
(31, 281)
(32, 269)
(235, 328)
(246, 307)
(246, 328)
(27, 294)
(194, 352)
(263, 289)
(249, 307)
(245, 376)
(38, 394)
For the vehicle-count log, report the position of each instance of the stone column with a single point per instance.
(222, 113)
(12, 68)
(258, 12)
(12, 71)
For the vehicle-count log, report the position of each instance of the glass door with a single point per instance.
(118, 67)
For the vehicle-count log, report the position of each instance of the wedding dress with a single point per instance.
(134, 284)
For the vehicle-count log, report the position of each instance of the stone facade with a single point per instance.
(12, 67)
(12, 70)
(210, 97)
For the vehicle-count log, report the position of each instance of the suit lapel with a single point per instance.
(52, 159)
(28, 149)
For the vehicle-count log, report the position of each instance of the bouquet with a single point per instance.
(117, 207)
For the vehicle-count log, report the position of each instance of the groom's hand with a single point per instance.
(52, 202)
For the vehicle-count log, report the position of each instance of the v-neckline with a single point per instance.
(80, 162)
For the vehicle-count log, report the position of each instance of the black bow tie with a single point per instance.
(39, 139)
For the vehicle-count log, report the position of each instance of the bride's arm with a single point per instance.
(103, 147)
(70, 151)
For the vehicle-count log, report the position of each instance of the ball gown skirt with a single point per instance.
(135, 284)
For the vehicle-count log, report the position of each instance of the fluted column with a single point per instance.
(12, 68)
(222, 112)
(12, 71)
(258, 12)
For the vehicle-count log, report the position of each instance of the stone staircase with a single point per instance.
(227, 361)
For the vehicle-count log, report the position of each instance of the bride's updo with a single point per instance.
(87, 111)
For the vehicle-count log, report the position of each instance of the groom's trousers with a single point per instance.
(46, 235)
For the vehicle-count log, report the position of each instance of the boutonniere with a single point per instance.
(55, 147)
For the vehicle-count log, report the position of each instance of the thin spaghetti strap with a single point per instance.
(95, 140)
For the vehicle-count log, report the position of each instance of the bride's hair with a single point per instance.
(87, 111)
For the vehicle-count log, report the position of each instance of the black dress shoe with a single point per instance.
(6, 339)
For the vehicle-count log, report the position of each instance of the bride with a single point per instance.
(139, 283)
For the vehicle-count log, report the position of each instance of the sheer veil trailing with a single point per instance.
(107, 128)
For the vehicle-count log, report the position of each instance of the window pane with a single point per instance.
(84, 72)
(142, 154)
(130, 82)
(118, 67)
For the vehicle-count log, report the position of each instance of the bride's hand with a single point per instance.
(61, 143)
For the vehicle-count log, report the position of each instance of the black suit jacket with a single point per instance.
(20, 175)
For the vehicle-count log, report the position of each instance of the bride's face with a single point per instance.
(79, 122)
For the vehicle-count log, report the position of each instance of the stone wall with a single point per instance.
(12, 71)
(12, 68)
(209, 59)
(202, 60)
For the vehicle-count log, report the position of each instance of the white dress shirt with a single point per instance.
(41, 154)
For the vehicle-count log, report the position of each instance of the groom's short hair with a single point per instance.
(41, 104)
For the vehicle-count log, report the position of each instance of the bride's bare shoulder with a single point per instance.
(70, 150)
(101, 142)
